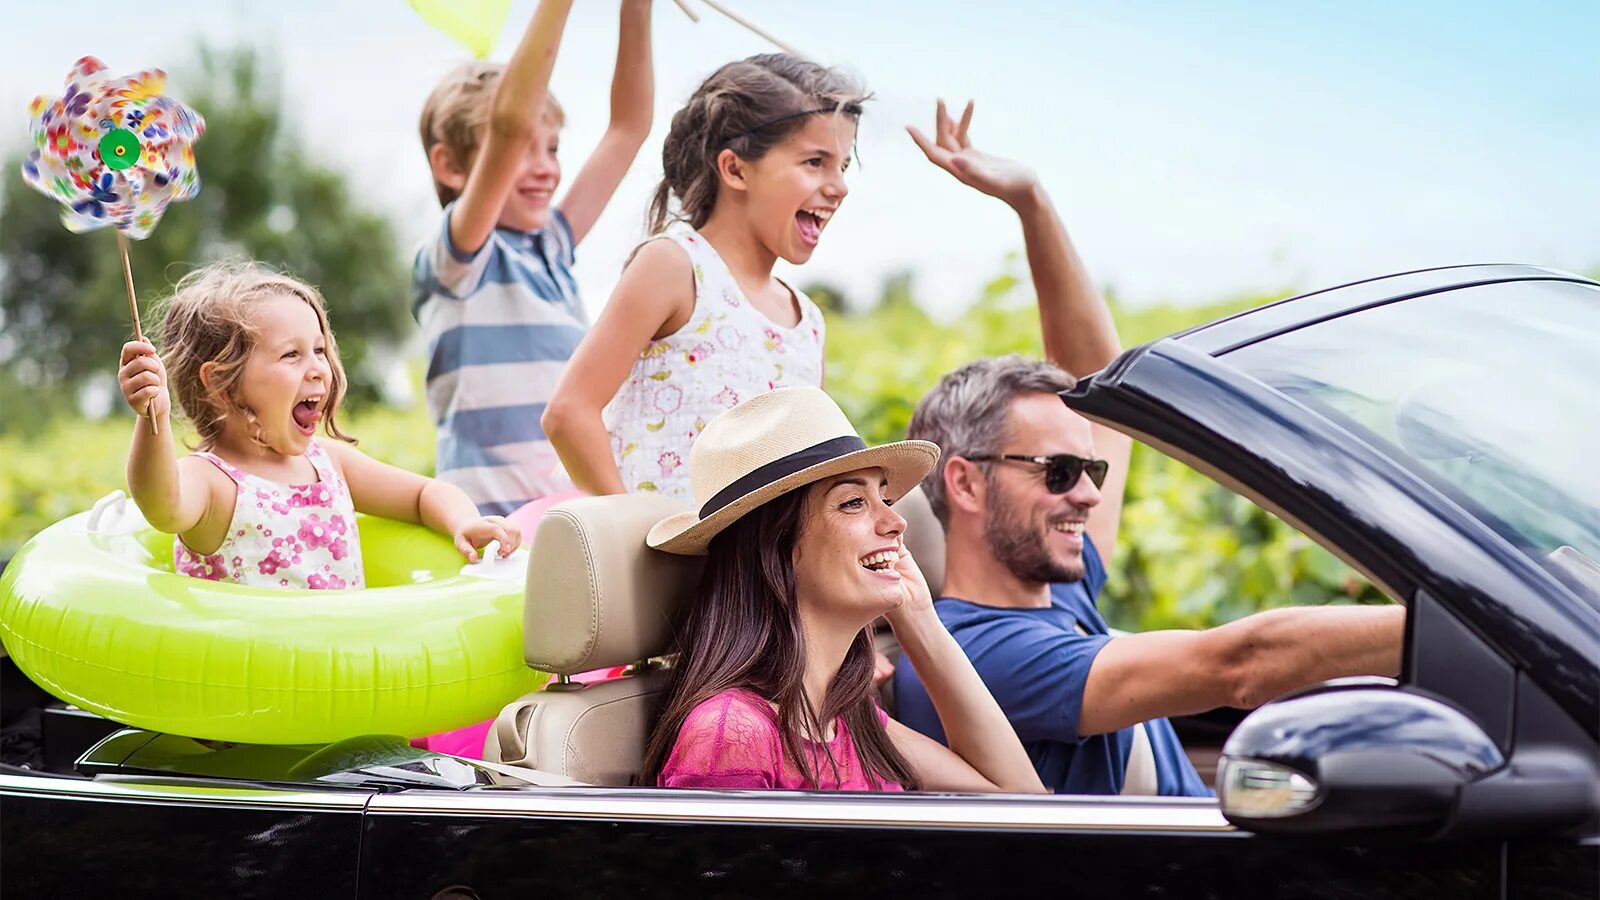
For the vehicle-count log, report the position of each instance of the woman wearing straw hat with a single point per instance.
(774, 688)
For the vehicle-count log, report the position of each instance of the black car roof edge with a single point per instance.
(1362, 307)
(1532, 273)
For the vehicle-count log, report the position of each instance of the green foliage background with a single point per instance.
(1190, 553)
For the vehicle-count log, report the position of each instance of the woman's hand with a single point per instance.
(479, 532)
(913, 586)
(143, 380)
(983, 753)
(952, 150)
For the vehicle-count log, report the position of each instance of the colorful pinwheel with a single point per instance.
(114, 151)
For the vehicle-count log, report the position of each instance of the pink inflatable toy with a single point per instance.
(526, 517)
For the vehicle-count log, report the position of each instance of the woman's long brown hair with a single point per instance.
(743, 631)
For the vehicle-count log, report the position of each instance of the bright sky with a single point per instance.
(1195, 150)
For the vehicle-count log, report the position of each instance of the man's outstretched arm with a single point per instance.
(1244, 663)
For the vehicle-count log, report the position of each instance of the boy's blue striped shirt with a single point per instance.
(500, 326)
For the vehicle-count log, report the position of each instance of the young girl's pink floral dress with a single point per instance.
(726, 353)
(284, 535)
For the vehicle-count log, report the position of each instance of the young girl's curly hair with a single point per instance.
(208, 320)
(748, 106)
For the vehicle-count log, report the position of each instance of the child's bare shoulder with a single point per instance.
(204, 471)
(661, 256)
(339, 451)
(661, 276)
(345, 455)
(220, 491)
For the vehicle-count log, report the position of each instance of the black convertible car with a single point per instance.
(1437, 430)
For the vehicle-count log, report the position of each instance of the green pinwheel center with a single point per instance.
(119, 149)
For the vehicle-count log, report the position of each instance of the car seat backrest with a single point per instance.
(596, 598)
(596, 595)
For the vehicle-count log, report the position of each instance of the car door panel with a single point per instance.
(1553, 870)
(66, 837)
(537, 845)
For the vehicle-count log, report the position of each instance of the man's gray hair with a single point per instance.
(965, 413)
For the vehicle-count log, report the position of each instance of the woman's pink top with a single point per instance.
(283, 535)
(731, 740)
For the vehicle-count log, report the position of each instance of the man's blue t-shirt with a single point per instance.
(1035, 663)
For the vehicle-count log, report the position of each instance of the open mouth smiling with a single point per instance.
(307, 413)
(811, 221)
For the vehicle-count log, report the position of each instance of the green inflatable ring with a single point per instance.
(103, 621)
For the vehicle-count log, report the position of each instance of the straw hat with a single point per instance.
(770, 445)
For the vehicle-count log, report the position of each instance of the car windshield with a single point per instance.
(1486, 392)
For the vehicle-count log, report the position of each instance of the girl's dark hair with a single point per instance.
(748, 107)
(743, 631)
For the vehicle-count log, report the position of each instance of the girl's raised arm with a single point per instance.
(174, 497)
(654, 298)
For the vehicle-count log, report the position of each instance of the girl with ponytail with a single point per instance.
(753, 169)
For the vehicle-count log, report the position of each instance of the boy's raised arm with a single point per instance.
(633, 95)
(519, 99)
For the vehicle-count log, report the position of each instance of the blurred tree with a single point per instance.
(63, 311)
(828, 297)
(898, 290)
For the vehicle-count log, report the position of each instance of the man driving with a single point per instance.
(1029, 494)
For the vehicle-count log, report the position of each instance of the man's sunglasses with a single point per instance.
(1061, 471)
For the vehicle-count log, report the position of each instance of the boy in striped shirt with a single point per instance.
(493, 289)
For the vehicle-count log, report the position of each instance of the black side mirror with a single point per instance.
(1354, 758)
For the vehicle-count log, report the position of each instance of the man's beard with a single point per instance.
(1022, 548)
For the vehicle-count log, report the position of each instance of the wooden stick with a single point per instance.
(133, 305)
(127, 279)
(751, 25)
(684, 5)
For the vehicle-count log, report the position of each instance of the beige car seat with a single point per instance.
(596, 597)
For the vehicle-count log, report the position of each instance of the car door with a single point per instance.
(138, 836)
(610, 842)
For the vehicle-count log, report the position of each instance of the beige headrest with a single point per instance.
(596, 595)
(924, 537)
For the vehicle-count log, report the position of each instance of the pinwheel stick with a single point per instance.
(133, 306)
